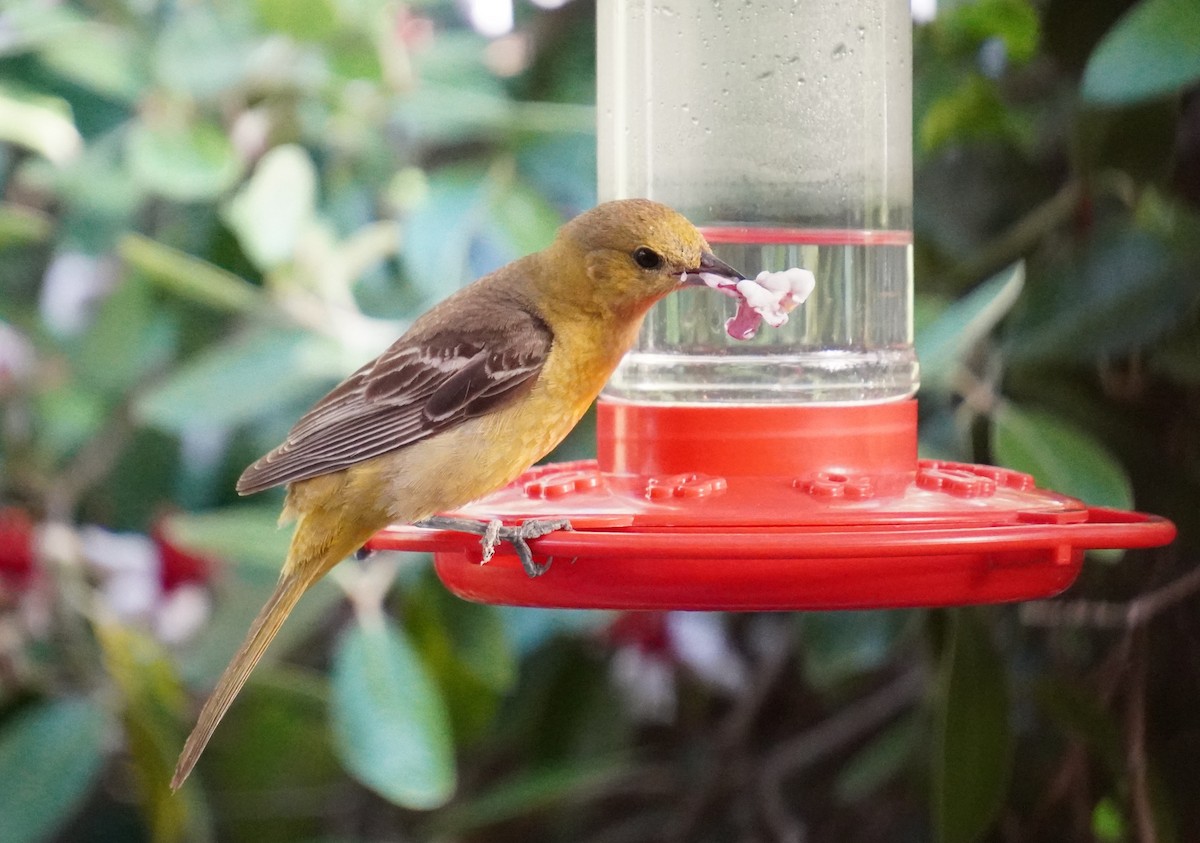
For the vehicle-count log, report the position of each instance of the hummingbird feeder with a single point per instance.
(779, 472)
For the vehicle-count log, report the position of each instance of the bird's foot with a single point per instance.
(493, 532)
(519, 537)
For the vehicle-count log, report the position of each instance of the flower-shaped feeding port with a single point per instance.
(776, 470)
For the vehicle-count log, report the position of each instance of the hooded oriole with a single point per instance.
(477, 390)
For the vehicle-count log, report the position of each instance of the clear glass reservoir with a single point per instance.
(784, 130)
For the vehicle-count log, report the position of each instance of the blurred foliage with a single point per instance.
(210, 212)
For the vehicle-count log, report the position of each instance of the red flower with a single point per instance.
(16, 546)
(645, 630)
(178, 565)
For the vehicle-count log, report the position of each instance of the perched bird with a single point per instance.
(478, 389)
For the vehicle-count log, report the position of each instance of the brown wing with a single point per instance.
(415, 389)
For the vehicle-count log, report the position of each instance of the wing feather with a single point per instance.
(423, 384)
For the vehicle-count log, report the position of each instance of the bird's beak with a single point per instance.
(712, 272)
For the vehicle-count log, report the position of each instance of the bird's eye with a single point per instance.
(647, 258)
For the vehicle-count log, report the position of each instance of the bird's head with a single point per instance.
(634, 251)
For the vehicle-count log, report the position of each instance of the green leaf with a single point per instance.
(927, 308)
(103, 58)
(473, 633)
(1014, 22)
(458, 98)
(272, 209)
(525, 219)
(459, 59)
(390, 725)
(972, 757)
(204, 50)
(187, 276)
(305, 20)
(152, 707)
(353, 55)
(246, 533)
(68, 415)
(525, 794)
(1154, 49)
(880, 761)
(445, 114)
(98, 195)
(973, 111)
(50, 755)
(943, 434)
(472, 221)
(439, 232)
(467, 653)
(1119, 294)
(276, 740)
(21, 226)
(561, 167)
(242, 380)
(1108, 822)
(42, 125)
(128, 340)
(844, 645)
(190, 163)
(942, 344)
(30, 24)
(527, 629)
(1059, 455)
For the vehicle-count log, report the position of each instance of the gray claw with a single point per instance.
(519, 538)
(492, 535)
(494, 532)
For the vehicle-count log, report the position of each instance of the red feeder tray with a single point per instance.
(772, 508)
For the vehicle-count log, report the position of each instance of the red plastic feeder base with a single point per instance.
(773, 508)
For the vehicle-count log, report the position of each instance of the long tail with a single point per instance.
(324, 536)
(292, 584)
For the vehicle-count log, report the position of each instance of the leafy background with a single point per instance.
(212, 211)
